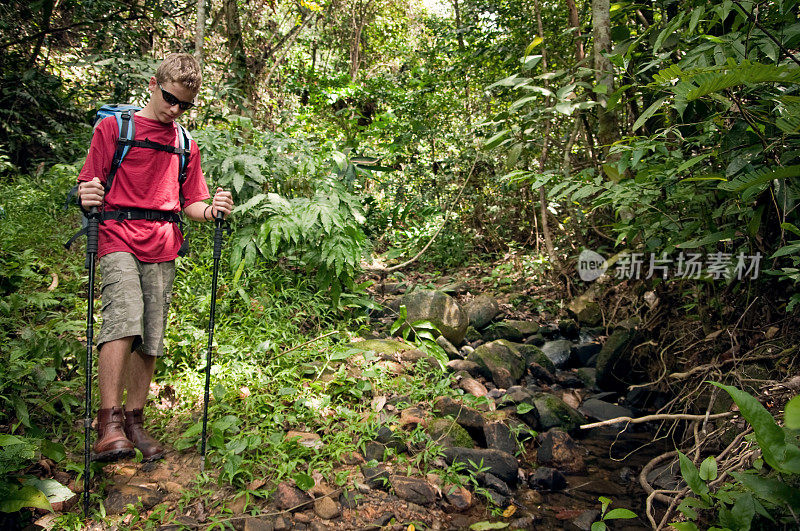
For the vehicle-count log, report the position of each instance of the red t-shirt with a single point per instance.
(147, 178)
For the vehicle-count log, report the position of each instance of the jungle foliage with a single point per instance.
(347, 129)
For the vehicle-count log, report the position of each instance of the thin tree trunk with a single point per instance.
(548, 239)
(47, 13)
(200, 30)
(607, 130)
(574, 22)
(461, 46)
(233, 27)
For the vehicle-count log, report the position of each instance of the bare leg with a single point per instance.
(138, 375)
(111, 371)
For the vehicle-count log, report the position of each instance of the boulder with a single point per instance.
(481, 310)
(440, 309)
(120, 496)
(599, 410)
(459, 497)
(473, 387)
(534, 354)
(414, 490)
(502, 330)
(558, 352)
(326, 508)
(612, 365)
(569, 328)
(447, 432)
(497, 355)
(384, 347)
(463, 414)
(501, 464)
(376, 477)
(586, 309)
(464, 365)
(583, 353)
(558, 450)
(552, 412)
(499, 437)
(451, 351)
(547, 479)
(290, 498)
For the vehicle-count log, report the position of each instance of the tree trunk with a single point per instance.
(47, 13)
(548, 239)
(200, 30)
(359, 17)
(460, 39)
(240, 70)
(607, 130)
(574, 22)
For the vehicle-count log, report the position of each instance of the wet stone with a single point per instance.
(547, 479)
(585, 520)
(600, 410)
(289, 497)
(558, 450)
(499, 437)
(326, 508)
(491, 481)
(501, 464)
(414, 490)
(374, 450)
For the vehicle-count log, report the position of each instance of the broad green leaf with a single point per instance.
(787, 250)
(52, 489)
(708, 469)
(497, 139)
(55, 451)
(691, 162)
(710, 238)
(599, 526)
(779, 449)
(17, 498)
(791, 414)
(524, 408)
(486, 526)
(615, 514)
(303, 481)
(791, 228)
(534, 43)
(772, 490)
(684, 526)
(692, 476)
(650, 111)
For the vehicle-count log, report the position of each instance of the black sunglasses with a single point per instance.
(171, 100)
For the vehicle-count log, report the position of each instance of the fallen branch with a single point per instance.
(709, 366)
(308, 342)
(661, 416)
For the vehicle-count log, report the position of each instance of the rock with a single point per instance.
(441, 310)
(281, 523)
(463, 414)
(472, 334)
(600, 410)
(490, 481)
(502, 330)
(376, 477)
(558, 450)
(413, 415)
(501, 464)
(309, 440)
(326, 508)
(499, 437)
(547, 479)
(374, 450)
(552, 412)
(569, 328)
(540, 373)
(502, 378)
(549, 332)
(451, 351)
(414, 490)
(466, 350)
(644, 398)
(473, 387)
(391, 439)
(459, 288)
(392, 288)
(448, 432)
(252, 523)
(588, 376)
(119, 496)
(534, 354)
(585, 520)
(383, 347)
(383, 519)
(525, 328)
(584, 352)
(481, 310)
(288, 497)
(612, 367)
(302, 518)
(317, 526)
(349, 499)
(586, 310)
(459, 497)
(568, 379)
(463, 365)
(497, 499)
(558, 352)
(497, 355)
(536, 340)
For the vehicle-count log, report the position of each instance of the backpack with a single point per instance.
(123, 113)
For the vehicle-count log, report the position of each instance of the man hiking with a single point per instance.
(139, 240)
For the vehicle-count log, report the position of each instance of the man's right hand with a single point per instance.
(90, 193)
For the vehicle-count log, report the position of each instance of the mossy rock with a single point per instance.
(449, 433)
(502, 330)
(613, 369)
(497, 355)
(383, 346)
(553, 412)
(534, 354)
(482, 310)
(440, 309)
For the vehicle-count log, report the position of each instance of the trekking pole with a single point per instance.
(91, 254)
(219, 221)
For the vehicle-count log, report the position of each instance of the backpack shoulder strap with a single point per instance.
(184, 139)
(127, 131)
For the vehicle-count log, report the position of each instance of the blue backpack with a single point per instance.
(123, 113)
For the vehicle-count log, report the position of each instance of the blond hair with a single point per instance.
(181, 68)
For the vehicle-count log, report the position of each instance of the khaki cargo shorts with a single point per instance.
(135, 297)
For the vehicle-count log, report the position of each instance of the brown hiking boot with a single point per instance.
(111, 441)
(151, 449)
